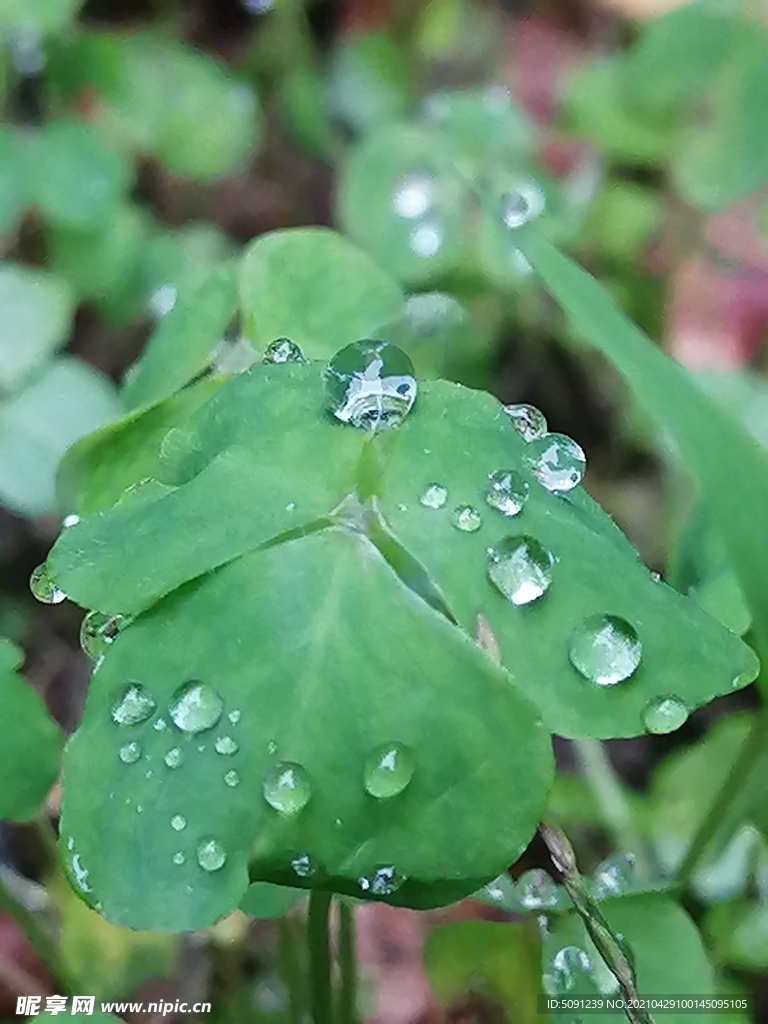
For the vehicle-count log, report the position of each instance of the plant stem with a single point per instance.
(347, 1004)
(319, 956)
(752, 748)
(601, 777)
(290, 971)
(36, 937)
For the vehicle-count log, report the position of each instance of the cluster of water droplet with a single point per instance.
(371, 385)
(414, 201)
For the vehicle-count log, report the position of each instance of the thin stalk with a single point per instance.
(602, 779)
(36, 937)
(751, 750)
(319, 956)
(347, 1003)
(290, 971)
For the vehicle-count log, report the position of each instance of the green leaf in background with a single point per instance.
(313, 286)
(665, 946)
(305, 693)
(737, 930)
(97, 471)
(483, 127)
(184, 258)
(35, 313)
(30, 742)
(14, 197)
(456, 438)
(265, 901)
(42, 16)
(730, 468)
(184, 340)
(304, 110)
(498, 962)
(79, 181)
(369, 82)
(64, 402)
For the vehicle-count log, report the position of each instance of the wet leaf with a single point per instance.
(265, 901)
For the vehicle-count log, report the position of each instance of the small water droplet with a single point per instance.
(536, 890)
(570, 970)
(139, 809)
(381, 882)
(656, 577)
(557, 462)
(211, 855)
(196, 707)
(613, 876)
(291, 506)
(287, 787)
(174, 758)
(70, 843)
(80, 873)
(520, 568)
(371, 385)
(665, 714)
(527, 420)
(426, 240)
(272, 747)
(234, 716)
(178, 857)
(303, 866)
(225, 745)
(466, 518)
(523, 202)
(130, 753)
(178, 822)
(402, 508)
(160, 725)
(434, 496)
(605, 649)
(98, 631)
(135, 706)
(506, 491)
(283, 350)
(388, 770)
(231, 778)
(519, 263)
(414, 195)
(70, 520)
(43, 588)
(162, 300)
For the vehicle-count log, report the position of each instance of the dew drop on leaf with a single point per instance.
(211, 855)
(381, 882)
(130, 753)
(178, 858)
(160, 725)
(135, 706)
(434, 496)
(303, 866)
(234, 716)
(98, 631)
(665, 714)
(225, 745)
(605, 649)
(527, 420)
(520, 568)
(557, 462)
(506, 491)
(178, 822)
(80, 873)
(43, 588)
(569, 970)
(174, 758)
(283, 350)
(466, 518)
(196, 707)
(413, 196)
(287, 787)
(70, 520)
(613, 876)
(231, 778)
(523, 202)
(536, 890)
(426, 240)
(371, 385)
(388, 770)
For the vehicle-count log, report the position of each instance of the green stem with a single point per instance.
(36, 937)
(347, 1005)
(290, 971)
(601, 777)
(737, 777)
(320, 956)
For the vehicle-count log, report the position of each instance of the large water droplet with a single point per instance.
(557, 462)
(466, 518)
(178, 822)
(287, 787)
(434, 496)
(506, 491)
(665, 714)
(97, 632)
(613, 876)
(43, 588)
(605, 649)
(174, 758)
(527, 421)
(535, 890)
(130, 753)
(381, 882)
(388, 770)
(413, 196)
(135, 706)
(195, 707)
(523, 202)
(231, 778)
(570, 970)
(283, 350)
(225, 745)
(211, 855)
(520, 569)
(303, 866)
(371, 385)
(426, 240)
